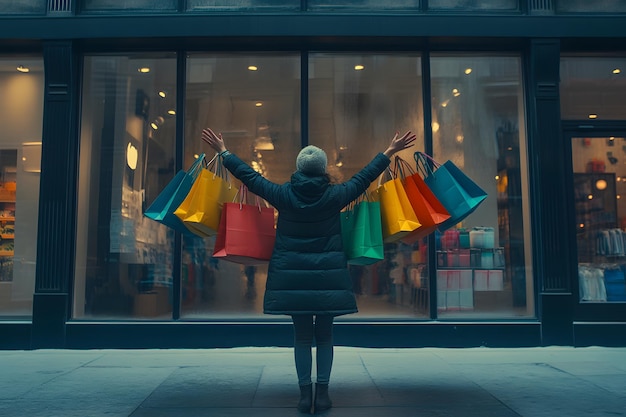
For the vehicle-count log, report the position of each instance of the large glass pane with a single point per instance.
(593, 87)
(363, 4)
(21, 117)
(586, 6)
(254, 101)
(259, 5)
(124, 260)
(484, 265)
(482, 5)
(144, 5)
(356, 103)
(600, 206)
(23, 7)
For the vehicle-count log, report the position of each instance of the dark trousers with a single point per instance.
(308, 328)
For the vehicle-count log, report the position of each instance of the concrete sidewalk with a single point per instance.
(533, 382)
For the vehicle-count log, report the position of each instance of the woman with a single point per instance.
(308, 276)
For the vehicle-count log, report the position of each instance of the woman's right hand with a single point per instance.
(399, 143)
(215, 141)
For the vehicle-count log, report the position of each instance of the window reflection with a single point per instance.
(254, 101)
(124, 261)
(600, 203)
(356, 103)
(592, 88)
(478, 124)
(21, 113)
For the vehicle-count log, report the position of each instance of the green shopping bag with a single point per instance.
(163, 207)
(456, 191)
(362, 232)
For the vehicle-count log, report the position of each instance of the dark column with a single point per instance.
(57, 206)
(551, 229)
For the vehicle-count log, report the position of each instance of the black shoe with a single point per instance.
(306, 398)
(322, 400)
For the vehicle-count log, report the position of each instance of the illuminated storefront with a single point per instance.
(120, 113)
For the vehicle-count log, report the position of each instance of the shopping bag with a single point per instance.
(246, 233)
(201, 210)
(362, 232)
(457, 192)
(428, 209)
(163, 207)
(397, 216)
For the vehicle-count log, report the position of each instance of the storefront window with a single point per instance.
(144, 5)
(21, 118)
(363, 4)
(254, 101)
(586, 6)
(124, 261)
(356, 104)
(23, 7)
(483, 264)
(482, 5)
(592, 88)
(259, 5)
(600, 207)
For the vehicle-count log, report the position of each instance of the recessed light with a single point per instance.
(359, 67)
(22, 68)
(468, 71)
(617, 71)
(258, 104)
(162, 94)
(171, 112)
(154, 125)
(143, 70)
(593, 116)
(252, 68)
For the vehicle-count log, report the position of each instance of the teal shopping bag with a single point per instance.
(362, 233)
(168, 200)
(456, 191)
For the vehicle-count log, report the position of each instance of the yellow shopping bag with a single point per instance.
(397, 215)
(201, 210)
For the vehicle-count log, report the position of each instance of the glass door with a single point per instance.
(598, 165)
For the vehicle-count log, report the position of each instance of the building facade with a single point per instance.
(103, 103)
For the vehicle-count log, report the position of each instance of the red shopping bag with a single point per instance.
(246, 233)
(429, 210)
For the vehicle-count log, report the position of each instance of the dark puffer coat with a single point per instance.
(308, 271)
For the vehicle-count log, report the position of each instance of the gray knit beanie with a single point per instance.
(311, 161)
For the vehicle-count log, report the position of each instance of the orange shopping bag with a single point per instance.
(428, 209)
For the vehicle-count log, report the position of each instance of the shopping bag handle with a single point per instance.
(242, 192)
(391, 174)
(400, 166)
(425, 163)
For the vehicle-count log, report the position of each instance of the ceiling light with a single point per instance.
(252, 68)
(617, 71)
(22, 68)
(258, 104)
(143, 70)
(359, 67)
(468, 71)
(456, 92)
(593, 116)
(154, 125)
(162, 94)
(171, 112)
